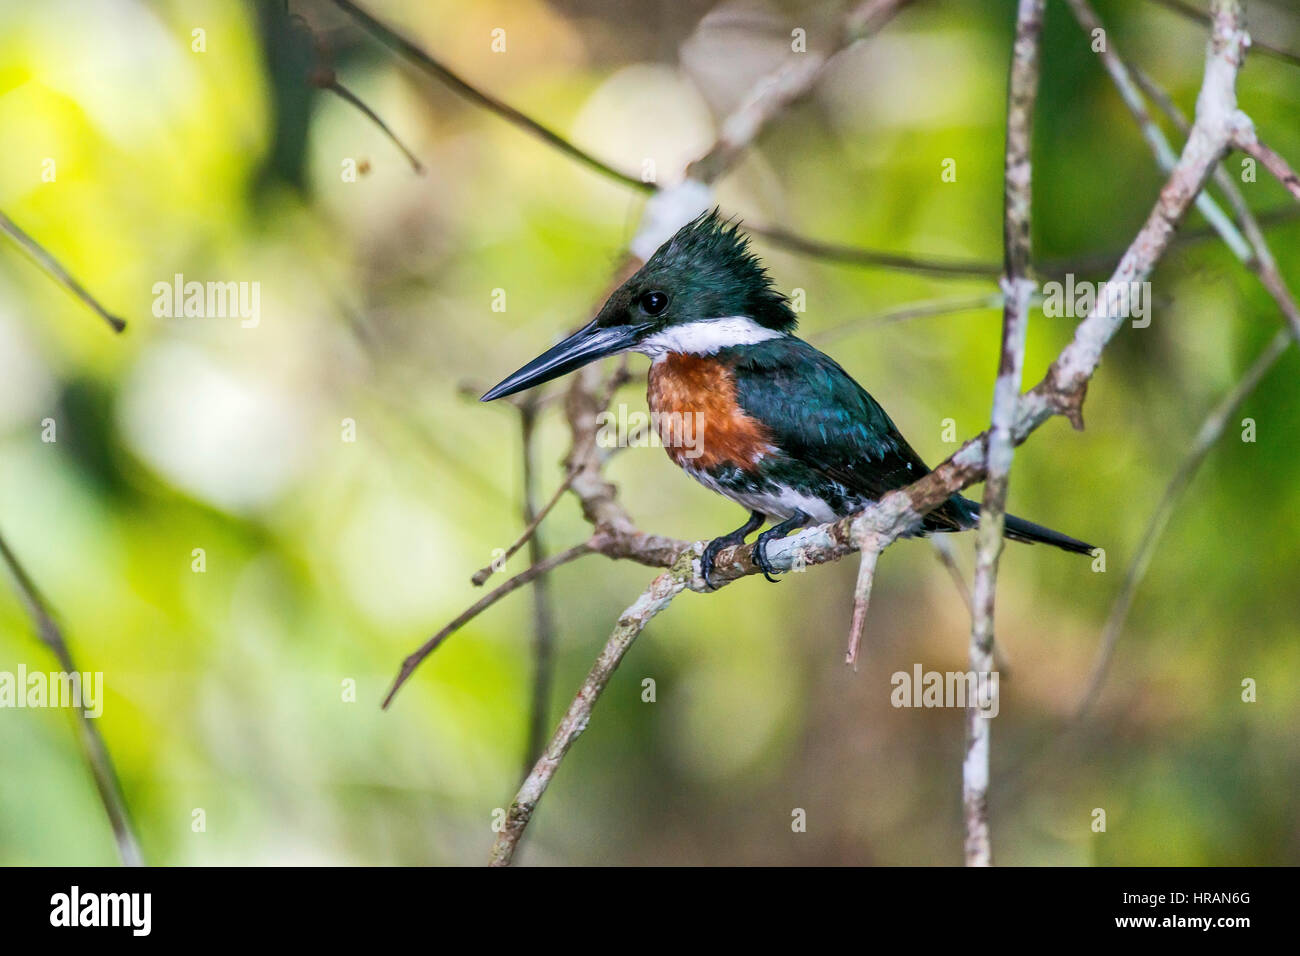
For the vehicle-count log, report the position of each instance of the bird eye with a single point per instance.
(654, 303)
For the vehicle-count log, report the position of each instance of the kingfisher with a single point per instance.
(744, 406)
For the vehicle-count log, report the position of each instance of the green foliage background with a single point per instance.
(328, 561)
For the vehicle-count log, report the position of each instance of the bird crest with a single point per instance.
(709, 259)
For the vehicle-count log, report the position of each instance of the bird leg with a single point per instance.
(793, 523)
(736, 537)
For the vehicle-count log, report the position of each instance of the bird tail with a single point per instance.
(1018, 529)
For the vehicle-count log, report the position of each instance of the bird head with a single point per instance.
(701, 291)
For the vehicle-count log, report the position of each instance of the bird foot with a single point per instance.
(711, 549)
(760, 558)
(707, 559)
(794, 522)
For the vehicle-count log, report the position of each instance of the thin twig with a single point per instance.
(904, 313)
(1130, 93)
(337, 88)
(1096, 262)
(1217, 122)
(1263, 264)
(543, 614)
(1272, 161)
(1260, 258)
(861, 600)
(1200, 16)
(854, 255)
(92, 743)
(1017, 289)
(631, 622)
(1208, 435)
(483, 573)
(789, 83)
(57, 272)
(482, 604)
(943, 551)
(412, 53)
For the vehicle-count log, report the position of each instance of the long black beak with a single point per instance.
(585, 345)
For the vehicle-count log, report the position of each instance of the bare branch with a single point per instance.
(57, 272)
(1217, 122)
(1252, 249)
(1207, 436)
(1107, 261)
(1061, 391)
(944, 552)
(92, 743)
(856, 256)
(543, 615)
(1017, 290)
(1129, 91)
(631, 622)
(904, 313)
(1200, 16)
(435, 68)
(1247, 142)
(482, 604)
(786, 85)
(331, 83)
(1210, 432)
(861, 599)
(483, 573)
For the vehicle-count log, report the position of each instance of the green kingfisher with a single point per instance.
(745, 407)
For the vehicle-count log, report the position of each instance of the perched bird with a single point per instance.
(775, 425)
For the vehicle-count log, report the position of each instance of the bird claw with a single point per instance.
(735, 538)
(706, 567)
(760, 558)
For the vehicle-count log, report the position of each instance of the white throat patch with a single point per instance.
(706, 336)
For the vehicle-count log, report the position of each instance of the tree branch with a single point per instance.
(57, 272)
(1247, 142)
(1252, 249)
(444, 74)
(631, 622)
(856, 256)
(482, 604)
(1260, 261)
(543, 614)
(482, 574)
(1165, 156)
(330, 82)
(786, 85)
(1207, 436)
(904, 313)
(1061, 391)
(861, 599)
(1185, 9)
(1017, 290)
(92, 743)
